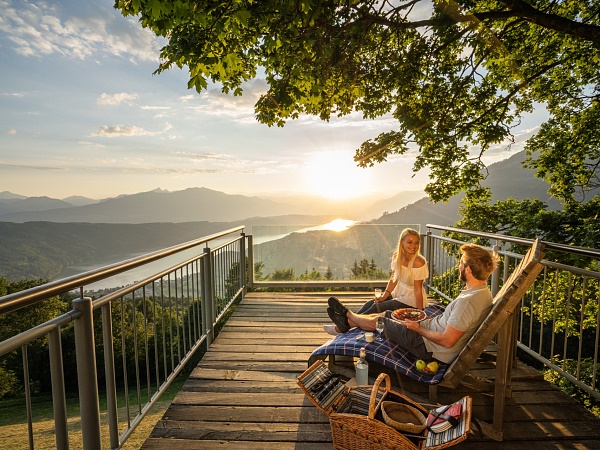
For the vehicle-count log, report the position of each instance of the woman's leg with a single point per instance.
(367, 306)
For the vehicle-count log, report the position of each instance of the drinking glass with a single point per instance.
(379, 328)
(378, 293)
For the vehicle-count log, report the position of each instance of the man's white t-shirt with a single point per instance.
(465, 313)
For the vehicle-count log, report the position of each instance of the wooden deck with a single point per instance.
(243, 393)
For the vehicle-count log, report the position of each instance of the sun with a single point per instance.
(334, 175)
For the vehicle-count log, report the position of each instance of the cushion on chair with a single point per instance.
(386, 352)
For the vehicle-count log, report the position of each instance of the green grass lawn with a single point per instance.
(13, 420)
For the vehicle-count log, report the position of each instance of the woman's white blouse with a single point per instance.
(404, 291)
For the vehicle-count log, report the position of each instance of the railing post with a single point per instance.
(27, 386)
(59, 400)
(495, 274)
(208, 296)
(250, 260)
(429, 258)
(243, 263)
(109, 373)
(85, 351)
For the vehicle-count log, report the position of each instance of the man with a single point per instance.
(441, 337)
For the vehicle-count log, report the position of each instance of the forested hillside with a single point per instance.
(335, 252)
(44, 249)
(505, 179)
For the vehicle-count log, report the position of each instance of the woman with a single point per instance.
(409, 270)
(405, 288)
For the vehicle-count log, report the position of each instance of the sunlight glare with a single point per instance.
(334, 175)
(338, 225)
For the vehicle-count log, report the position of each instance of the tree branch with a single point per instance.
(554, 22)
(518, 9)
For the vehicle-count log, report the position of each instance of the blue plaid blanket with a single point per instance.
(386, 352)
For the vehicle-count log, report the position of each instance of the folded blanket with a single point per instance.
(386, 352)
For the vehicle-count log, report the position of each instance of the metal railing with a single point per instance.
(145, 332)
(558, 324)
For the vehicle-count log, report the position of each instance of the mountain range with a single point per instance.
(190, 205)
(40, 236)
(505, 179)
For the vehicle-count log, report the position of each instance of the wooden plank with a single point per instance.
(262, 356)
(581, 444)
(244, 431)
(183, 444)
(228, 374)
(299, 414)
(235, 399)
(271, 366)
(240, 386)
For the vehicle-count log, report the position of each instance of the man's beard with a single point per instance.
(463, 275)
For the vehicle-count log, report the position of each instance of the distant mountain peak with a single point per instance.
(6, 195)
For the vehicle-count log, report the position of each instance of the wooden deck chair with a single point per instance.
(499, 321)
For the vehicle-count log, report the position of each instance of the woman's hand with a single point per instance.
(385, 295)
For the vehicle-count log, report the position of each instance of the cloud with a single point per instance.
(205, 156)
(528, 132)
(75, 30)
(115, 99)
(11, 131)
(91, 144)
(155, 108)
(110, 131)
(121, 130)
(224, 163)
(5, 166)
(13, 94)
(187, 98)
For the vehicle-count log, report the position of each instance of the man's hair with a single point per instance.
(481, 261)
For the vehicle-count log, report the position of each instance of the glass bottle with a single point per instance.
(362, 369)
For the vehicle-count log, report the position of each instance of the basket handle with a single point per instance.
(372, 407)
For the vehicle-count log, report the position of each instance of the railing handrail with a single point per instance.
(582, 251)
(30, 296)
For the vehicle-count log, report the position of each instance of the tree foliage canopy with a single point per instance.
(457, 75)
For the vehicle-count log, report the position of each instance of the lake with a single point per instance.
(260, 234)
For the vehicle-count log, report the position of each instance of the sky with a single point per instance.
(81, 113)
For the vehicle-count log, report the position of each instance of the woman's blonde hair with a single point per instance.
(399, 254)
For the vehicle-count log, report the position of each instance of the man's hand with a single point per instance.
(410, 324)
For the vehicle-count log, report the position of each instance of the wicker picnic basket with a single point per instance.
(356, 416)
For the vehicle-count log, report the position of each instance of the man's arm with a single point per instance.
(448, 338)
